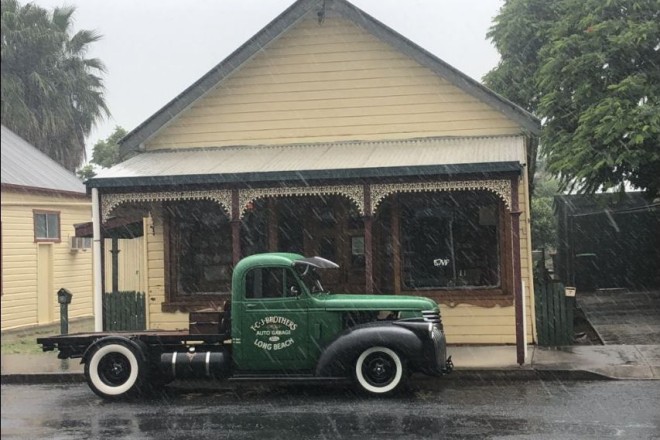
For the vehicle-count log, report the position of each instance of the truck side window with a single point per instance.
(267, 282)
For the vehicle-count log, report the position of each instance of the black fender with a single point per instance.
(140, 346)
(407, 340)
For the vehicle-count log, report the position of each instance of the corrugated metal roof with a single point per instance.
(24, 165)
(372, 156)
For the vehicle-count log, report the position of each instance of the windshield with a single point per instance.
(310, 276)
(307, 269)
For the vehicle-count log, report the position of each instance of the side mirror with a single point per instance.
(294, 291)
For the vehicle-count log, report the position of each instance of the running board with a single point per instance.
(283, 377)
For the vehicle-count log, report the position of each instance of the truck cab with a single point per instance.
(281, 323)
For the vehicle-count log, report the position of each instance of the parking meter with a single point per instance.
(64, 299)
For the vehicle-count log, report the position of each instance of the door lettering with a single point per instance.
(270, 332)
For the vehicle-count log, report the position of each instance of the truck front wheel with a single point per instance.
(379, 370)
(114, 370)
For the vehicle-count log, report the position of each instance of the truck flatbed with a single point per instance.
(74, 345)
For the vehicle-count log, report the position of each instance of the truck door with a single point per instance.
(274, 325)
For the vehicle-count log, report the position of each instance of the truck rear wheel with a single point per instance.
(379, 370)
(115, 369)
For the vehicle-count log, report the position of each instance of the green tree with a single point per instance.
(590, 69)
(52, 94)
(519, 32)
(106, 152)
(86, 172)
(544, 222)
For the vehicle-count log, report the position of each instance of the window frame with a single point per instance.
(469, 292)
(175, 301)
(47, 213)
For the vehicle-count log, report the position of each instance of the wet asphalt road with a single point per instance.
(474, 409)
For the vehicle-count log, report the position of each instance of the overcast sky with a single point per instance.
(154, 49)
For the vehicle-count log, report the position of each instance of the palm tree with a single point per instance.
(52, 95)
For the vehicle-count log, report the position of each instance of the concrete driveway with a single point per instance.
(623, 317)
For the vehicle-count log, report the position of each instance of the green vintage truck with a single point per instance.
(280, 324)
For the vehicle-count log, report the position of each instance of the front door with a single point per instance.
(274, 325)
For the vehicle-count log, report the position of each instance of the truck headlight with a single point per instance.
(435, 333)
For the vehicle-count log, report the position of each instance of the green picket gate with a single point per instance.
(124, 311)
(554, 313)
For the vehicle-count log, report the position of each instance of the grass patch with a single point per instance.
(24, 341)
(21, 346)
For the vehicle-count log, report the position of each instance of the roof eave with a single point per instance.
(44, 191)
(452, 170)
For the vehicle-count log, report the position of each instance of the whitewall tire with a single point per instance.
(379, 370)
(115, 370)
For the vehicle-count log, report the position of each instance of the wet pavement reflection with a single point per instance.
(475, 409)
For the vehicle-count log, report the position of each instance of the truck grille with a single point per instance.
(432, 316)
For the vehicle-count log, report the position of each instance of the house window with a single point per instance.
(291, 228)
(47, 226)
(450, 241)
(200, 249)
(254, 229)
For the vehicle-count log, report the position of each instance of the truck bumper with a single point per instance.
(437, 363)
(449, 366)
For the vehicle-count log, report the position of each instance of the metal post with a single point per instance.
(115, 264)
(368, 241)
(98, 262)
(368, 255)
(235, 227)
(64, 299)
(521, 348)
(64, 319)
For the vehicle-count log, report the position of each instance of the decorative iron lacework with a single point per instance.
(355, 193)
(500, 187)
(111, 201)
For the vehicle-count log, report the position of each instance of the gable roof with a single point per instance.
(24, 166)
(289, 18)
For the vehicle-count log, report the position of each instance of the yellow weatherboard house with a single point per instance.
(330, 134)
(41, 203)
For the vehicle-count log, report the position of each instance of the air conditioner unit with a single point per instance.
(80, 244)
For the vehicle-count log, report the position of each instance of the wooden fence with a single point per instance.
(554, 312)
(124, 311)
